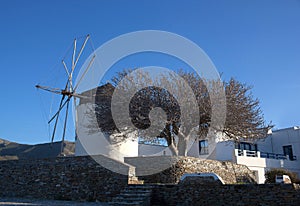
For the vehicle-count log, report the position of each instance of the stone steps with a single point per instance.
(133, 195)
(135, 180)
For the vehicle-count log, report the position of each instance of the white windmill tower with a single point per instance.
(86, 144)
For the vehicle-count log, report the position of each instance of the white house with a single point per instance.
(279, 149)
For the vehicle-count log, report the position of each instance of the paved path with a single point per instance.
(36, 202)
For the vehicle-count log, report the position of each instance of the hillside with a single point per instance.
(12, 150)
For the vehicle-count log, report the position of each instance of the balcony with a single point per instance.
(249, 158)
(267, 155)
(247, 153)
(273, 156)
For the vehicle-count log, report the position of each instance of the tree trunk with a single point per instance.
(173, 149)
(182, 145)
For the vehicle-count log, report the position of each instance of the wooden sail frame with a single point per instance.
(69, 91)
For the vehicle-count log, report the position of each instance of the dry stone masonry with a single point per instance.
(230, 172)
(234, 194)
(83, 179)
(65, 178)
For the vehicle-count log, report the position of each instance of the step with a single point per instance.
(140, 186)
(135, 191)
(133, 195)
(129, 198)
(126, 195)
(142, 194)
(126, 203)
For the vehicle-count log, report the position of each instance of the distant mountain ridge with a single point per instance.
(12, 150)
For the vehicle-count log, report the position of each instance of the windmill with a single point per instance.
(69, 91)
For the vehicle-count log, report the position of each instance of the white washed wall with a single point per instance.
(98, 143)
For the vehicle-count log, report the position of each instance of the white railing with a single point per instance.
(273, 156)
(251, 153)
(248, 153)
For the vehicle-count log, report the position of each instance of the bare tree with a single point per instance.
(244, 118)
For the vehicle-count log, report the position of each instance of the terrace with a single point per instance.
(267, 155)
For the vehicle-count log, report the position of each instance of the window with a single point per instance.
(246, 146)
(288, 151)
(203, 147)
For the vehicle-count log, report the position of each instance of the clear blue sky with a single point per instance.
(255, 41)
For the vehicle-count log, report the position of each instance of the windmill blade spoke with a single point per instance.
(79, 96)
(65, 126)
(56, 120)
(60, 108)
(76, 118)
(66, 68)
(68, 73)
(81, 49)
(49, 89)
(54, 128)
(73, 56)
(85, 72)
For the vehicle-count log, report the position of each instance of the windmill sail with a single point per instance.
(69, 91)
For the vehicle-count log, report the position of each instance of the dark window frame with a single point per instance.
(288, 151)
(203, 147)
(246, 146)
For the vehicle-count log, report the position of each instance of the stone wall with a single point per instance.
(81, 178)
(206, 194)
(66, 178)
(230, 172)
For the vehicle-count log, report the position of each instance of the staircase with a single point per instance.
(134, 195)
